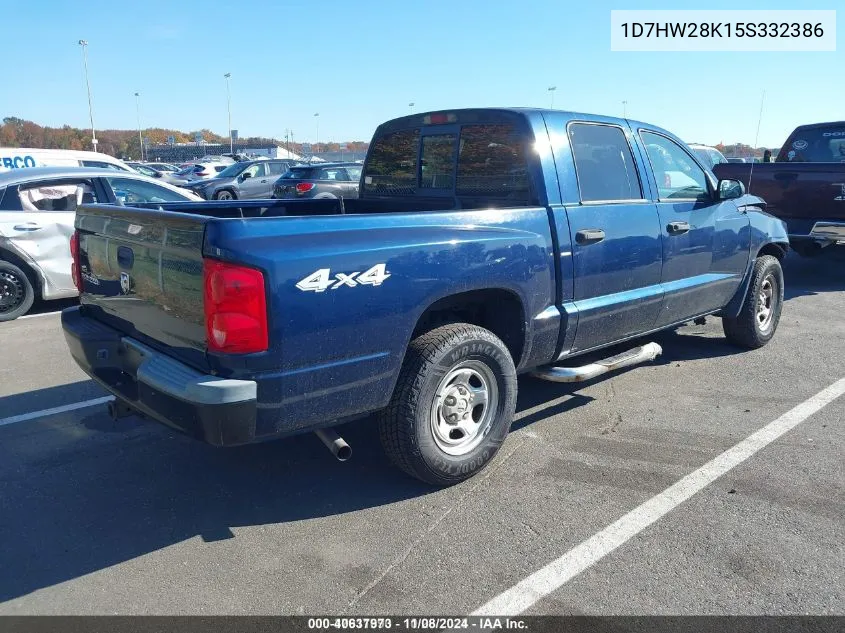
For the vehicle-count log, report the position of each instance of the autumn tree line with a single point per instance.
(15, 132)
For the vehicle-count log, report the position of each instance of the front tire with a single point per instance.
(452, 406)
(760, 313)
(16, 292)
(224, 194)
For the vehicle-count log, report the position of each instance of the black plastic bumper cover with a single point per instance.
(218, 411)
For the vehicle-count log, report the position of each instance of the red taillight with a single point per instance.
(304, 187)
(75, 270)
(235, 308)
(203, 174)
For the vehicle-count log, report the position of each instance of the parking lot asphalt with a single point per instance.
(98, 517)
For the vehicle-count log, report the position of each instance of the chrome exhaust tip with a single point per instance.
(336, 444)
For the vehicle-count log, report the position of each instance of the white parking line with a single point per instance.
(35, 316)
(541, 583)
(23, 417)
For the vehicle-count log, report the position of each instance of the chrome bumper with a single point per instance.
(828, 231)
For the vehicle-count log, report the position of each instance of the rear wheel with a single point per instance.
(225, 194)
(452, 406)
(16, 292)
(760, 313)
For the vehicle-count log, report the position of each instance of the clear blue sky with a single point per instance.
(360, 62)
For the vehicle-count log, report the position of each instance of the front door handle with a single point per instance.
(28, 226)
(677, 228)
(589, 236)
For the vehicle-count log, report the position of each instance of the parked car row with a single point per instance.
(279, 179)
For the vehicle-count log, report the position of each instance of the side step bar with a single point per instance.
(635, 356)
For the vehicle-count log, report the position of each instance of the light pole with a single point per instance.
(624, 109)
(84, 45)
(317, 132)
(229, 110)
(411, 106)
(552, 90)
(138, 111)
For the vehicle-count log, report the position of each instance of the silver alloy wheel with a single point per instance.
(225, 195)
(766, 303)
(464, 407)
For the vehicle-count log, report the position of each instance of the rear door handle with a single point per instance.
(589, 236)
(677, 228)
(28, 226)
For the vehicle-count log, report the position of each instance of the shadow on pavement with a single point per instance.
(814, 275)
(73, 503)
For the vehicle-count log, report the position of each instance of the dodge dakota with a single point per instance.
(485, 243)
(805, 186)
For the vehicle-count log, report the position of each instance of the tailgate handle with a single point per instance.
(125, 256)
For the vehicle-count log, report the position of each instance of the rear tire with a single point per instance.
(16, 292)
(760, 313)
(452, 406)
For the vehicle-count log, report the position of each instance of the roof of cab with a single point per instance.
(18, 176)
(526, 113)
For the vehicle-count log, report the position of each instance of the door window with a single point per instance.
(256, 171)
(678, 176)
(604, 163)
(56, 196)
(129, 191)
(277, 169)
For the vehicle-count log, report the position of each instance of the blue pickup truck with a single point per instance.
(485, 243)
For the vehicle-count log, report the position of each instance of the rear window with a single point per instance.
(491, 162)
(392, 164)
(815, 145)
(299, 173)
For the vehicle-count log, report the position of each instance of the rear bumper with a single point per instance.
(219, 411)
(828, 231)
(824, 232)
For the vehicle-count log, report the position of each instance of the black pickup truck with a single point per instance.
(805, 186)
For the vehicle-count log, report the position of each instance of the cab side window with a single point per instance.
(604, 163)
(678, 176)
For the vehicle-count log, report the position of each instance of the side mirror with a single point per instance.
(731, 189)
(245, 175)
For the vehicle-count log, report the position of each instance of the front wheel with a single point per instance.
(760, 313)
(225, 194)
(16, 292)
(452, 406)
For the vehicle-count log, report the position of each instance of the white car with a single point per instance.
(26, 157)
(37, 212)
(195, 171)
(709, 156)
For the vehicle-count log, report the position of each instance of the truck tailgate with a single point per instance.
(142, 274)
